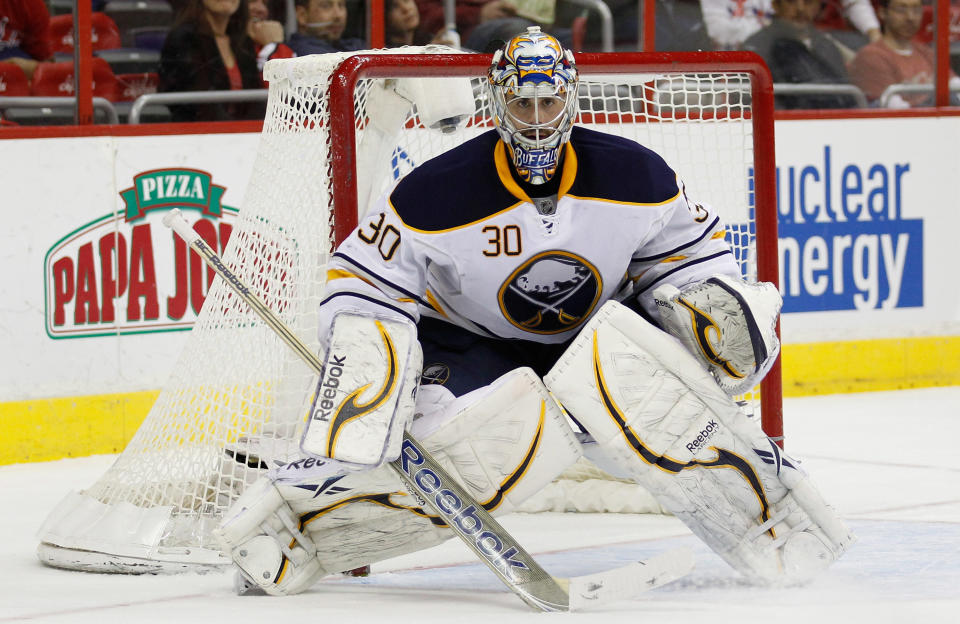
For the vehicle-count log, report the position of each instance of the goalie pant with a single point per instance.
(298, 523)
(663, 420)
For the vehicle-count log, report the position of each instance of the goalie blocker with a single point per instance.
(364, 400)
(661, 418)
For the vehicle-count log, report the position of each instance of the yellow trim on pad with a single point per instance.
(48, 429)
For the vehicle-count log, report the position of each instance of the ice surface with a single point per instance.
(888, 461)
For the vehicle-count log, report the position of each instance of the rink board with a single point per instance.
(101, 297)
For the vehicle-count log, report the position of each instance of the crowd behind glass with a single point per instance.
(836, 54)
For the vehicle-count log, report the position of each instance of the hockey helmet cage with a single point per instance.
(533, 89)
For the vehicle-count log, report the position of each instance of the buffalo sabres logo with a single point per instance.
(552, 292)
(435, 374)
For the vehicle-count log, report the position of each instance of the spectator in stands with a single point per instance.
(483, 25)
(267, 34)
(210, 49)
(24, 33)
(796, 52)
(320, 26)
(402, 27)
(896, 58)
(402, 21)
(730, 22)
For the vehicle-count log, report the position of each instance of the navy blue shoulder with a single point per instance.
(618, 169)
(453, 189)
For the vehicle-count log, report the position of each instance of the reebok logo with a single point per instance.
(705, 434)
(454, 513)
(304, 464)
(326, 488)
(328, 389)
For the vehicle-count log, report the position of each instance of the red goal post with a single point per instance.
(343, 122)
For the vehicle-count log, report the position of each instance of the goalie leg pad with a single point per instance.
(656, 413)
(502, 442)
(365, 397)
(729, 324)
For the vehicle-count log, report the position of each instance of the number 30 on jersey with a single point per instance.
(386, 239)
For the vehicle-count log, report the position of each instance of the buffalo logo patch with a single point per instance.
(435, 374)
(550, 293)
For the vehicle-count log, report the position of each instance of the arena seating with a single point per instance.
(107, 43)
(133, 85)
(149, 37)
(926, 25)
(57, 79)
(105, 33)
(121, 73)
(13, 82)
(133, 14)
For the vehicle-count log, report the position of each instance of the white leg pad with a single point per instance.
(655, 412)
(503, 442)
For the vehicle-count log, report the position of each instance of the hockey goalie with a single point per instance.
(540, 292)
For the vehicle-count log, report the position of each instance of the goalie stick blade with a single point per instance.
(629, 581)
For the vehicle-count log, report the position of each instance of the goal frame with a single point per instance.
(345, 78)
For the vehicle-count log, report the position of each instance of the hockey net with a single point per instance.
(340, 129)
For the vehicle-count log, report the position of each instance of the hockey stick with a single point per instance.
(465, 516)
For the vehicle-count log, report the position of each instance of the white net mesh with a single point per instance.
(237, 396)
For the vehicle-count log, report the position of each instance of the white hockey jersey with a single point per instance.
(460, 239)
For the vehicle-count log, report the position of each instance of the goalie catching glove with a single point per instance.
(728, 323)
(661, 418)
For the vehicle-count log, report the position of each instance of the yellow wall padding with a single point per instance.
(47, 429)
(870, 365)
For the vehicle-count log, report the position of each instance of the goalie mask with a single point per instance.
(533, 86)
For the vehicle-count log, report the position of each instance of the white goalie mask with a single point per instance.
(533, 86)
